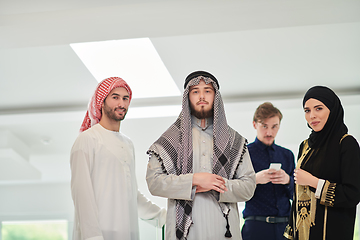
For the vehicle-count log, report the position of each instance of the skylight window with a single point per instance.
(134, 60)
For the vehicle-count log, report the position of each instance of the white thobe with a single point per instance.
(104, 189)
(208, 220)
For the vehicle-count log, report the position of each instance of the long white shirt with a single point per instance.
(208, 220)
(104, 188)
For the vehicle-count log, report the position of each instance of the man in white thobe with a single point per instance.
(103, 183)
(202, 166)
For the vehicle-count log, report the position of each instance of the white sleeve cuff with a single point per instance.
(319, 188)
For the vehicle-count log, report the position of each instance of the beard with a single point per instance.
(202, 114)
(110, 113)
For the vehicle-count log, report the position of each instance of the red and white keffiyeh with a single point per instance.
(93, 114)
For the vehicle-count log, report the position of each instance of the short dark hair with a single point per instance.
(266, 110)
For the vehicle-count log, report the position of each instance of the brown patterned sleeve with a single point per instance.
(328, 194)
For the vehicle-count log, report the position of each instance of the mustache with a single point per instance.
(202, 101)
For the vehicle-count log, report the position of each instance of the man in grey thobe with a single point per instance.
(202, 166)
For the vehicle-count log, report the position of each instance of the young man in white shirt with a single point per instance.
(103, 183)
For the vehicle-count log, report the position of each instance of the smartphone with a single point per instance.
(276, 166)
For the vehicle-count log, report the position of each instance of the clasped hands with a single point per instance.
(208, 181)
(273, 176)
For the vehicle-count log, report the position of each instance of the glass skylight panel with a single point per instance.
(134, 60)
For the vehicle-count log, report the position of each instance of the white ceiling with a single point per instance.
(259, 50)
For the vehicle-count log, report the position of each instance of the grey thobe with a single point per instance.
(208, 220)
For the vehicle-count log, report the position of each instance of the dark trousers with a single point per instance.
(258, 230)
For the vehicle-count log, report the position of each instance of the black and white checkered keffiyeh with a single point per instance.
(174, 150)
